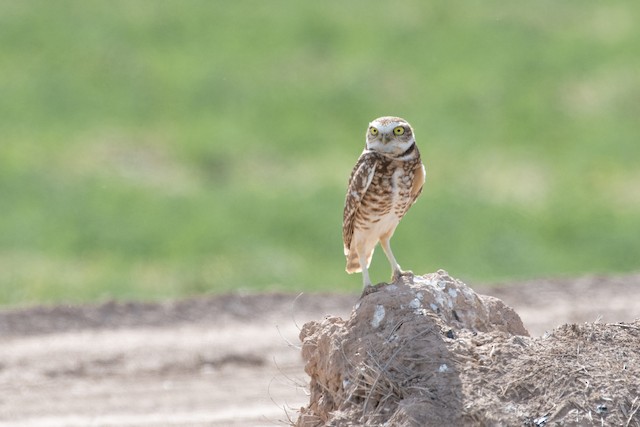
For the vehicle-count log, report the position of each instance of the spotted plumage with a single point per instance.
(385, 182)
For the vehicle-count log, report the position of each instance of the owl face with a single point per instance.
(390, 135)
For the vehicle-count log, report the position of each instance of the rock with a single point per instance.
(425, 351)
(453, 302)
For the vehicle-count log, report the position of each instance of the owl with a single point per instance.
(386, 180)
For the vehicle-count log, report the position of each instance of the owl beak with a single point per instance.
(385, 138)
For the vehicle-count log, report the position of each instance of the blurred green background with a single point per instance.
(153, 149)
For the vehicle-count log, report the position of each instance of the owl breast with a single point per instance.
(388, 197)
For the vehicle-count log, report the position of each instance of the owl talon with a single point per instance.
(370, 289)
(398, 275)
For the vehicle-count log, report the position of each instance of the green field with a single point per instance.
(153, 149)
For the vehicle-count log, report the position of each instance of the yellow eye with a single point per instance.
(398, 130)
(373, 131)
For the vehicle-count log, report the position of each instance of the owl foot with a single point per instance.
(370, 289)
(399, 274)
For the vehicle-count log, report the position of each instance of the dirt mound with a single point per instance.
(431, 352)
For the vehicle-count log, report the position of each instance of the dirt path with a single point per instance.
(214, 361)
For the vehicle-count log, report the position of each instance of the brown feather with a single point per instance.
(359, 182)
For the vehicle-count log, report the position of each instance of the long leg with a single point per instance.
(395, 267)
(366, 281)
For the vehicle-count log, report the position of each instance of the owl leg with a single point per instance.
(361, 250)
(395, 267)
(366, 281)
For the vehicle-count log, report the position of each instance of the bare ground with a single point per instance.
(216, 361)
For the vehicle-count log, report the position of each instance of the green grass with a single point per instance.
(154, 149)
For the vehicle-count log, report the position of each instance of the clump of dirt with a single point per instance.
(428, 351)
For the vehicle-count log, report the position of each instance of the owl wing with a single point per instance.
(359, 182)
(419, 177)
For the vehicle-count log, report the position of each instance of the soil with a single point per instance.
(231, 360)
(429, 351)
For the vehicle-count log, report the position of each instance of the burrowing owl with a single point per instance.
(386, 180)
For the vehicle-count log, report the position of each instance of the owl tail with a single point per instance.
(353, 263)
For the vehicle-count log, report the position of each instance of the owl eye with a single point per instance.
(399, 130)
(373, 131)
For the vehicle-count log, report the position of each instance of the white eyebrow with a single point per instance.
(386, 128)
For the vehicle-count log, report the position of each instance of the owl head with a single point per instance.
(390, 136)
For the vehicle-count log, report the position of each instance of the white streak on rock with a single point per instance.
(378, 315)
